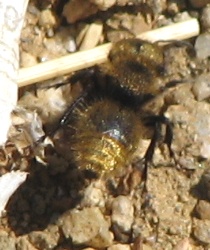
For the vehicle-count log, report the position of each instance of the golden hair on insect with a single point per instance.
(102, 129)
(137, 65)
(101, 136)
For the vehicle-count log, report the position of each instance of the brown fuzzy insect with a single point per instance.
(102, 129)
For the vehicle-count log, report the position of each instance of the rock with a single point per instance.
(122, 25)
(47, 19)
(201, 87)
(7, 242)
(191, 121)
(78, 9)
(119, 247)
(175, 7)
(181, 17)
(87, 226)
(202, 231)
(204, 185)
(44, 240)
(199, 3)
(103, 5)
(205, 18)
(60, 44)
(24, 244)
(93, 196)
(122, 213)
(183, 245)
(70, 44)
(203, 210)
(202, 46)
(27, 60)
(92, 36)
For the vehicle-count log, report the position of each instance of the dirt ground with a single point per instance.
(61, 208)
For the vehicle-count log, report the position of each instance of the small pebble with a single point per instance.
(201, 87)
(146, 247)
(54, 47)
(122, 213)
(7, 242)
(205, 18)
(93, 197)
(27, 60)
(181, 17)
(199, 3)
(75, 10)
(175, 7)
(204, 185)
(202, 46)
(203, 210)
(24, 244)
(119, 247)
(202, 231)
(87, 226)
(70, 44)
(183, 245)
(92, 36)
(47, 19)
(44, 240)
(103, 5)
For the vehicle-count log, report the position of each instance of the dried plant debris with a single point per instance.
(9, 183)
(60, 206)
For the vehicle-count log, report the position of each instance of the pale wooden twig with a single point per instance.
(81, 60)
(84, 59)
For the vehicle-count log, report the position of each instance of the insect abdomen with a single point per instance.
(101, 136)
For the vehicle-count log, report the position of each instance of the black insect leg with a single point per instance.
(150, 150)
(68, 113)
(146, 205)
(169, 135)
(157, 122)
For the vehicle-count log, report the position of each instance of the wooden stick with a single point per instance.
(84, 59)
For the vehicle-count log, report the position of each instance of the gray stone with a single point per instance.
(203, 209)
(201, 87)
(7, 242)
(93, 196)
(44, 240)
(205, 18)
(191, 121)
(202, 46)
(199, 3)
(119, 247)
(24, 244)
(87, 226)
(122, 213)
(202, 231)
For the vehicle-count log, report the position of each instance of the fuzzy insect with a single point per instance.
(102, 129)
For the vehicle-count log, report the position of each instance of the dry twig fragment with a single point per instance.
(9, 183)
(88, 58)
